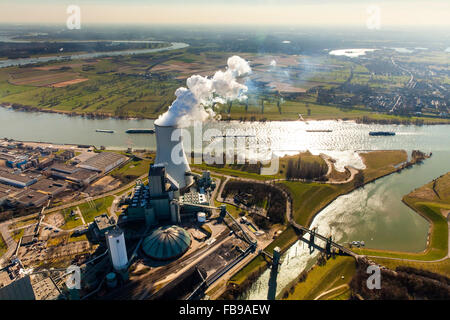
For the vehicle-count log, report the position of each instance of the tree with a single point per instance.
(359, 179)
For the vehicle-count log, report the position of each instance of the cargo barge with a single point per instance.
(381, 133)
(319, 130)
(140, 131)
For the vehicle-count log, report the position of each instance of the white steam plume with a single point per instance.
(195, 102)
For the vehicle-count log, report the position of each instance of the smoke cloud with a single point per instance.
(195, 102)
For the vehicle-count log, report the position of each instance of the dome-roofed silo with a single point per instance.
(166, 243)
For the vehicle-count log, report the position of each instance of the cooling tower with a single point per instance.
(178, 166)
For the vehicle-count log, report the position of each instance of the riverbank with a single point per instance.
(311, 284)
(87, 115)
(382, 119)
(311, 198)
(432, 202)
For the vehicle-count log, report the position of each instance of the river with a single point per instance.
(374, 213)
(26, 61)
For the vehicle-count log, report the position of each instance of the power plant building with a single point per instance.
(156, 203)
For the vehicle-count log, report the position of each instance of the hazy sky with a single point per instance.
(261, 12)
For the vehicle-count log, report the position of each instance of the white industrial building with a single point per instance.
(115, 241)
(103, 162)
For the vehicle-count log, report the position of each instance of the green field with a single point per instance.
(100, 206)
(324, 278)
(131, 171)
(70, 221)
(442, 267)
(89, 210)
(143, 86)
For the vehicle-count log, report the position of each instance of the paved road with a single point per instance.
(331, 290)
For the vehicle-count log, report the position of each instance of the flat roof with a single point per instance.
(47, 185)
(103, 221)
(16, 177)
(102, 160)
(63, 167)
(8, 189)
(31, 196)
(82, 174)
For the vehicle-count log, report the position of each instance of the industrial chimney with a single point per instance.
(164, 147)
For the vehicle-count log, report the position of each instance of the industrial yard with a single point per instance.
(158, 227)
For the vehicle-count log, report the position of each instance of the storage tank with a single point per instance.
(164, 149)
(166, 243)
(115, 240)
(201, 217)
(111, 280)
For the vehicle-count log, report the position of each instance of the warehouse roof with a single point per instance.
(16, 177)
(102, 160)
(32, 197)
(47, 185)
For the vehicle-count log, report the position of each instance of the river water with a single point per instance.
(374, 213)
(25, 61)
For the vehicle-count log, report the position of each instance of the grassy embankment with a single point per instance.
(310, 198)
(252, 171)
(432, 201)
(324, 278)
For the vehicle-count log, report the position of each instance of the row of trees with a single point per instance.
(404, 284)
(297, 169)
(257, 193)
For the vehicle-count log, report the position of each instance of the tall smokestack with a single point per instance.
(164, 147)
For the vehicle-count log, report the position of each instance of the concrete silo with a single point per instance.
(117, 249)
(172, 155)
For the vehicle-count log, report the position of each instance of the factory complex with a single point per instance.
(165, 227)
(32, 175)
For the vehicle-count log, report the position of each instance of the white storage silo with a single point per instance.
(115, 240)
(172, 155)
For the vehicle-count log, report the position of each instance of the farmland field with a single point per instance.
(281, 87)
